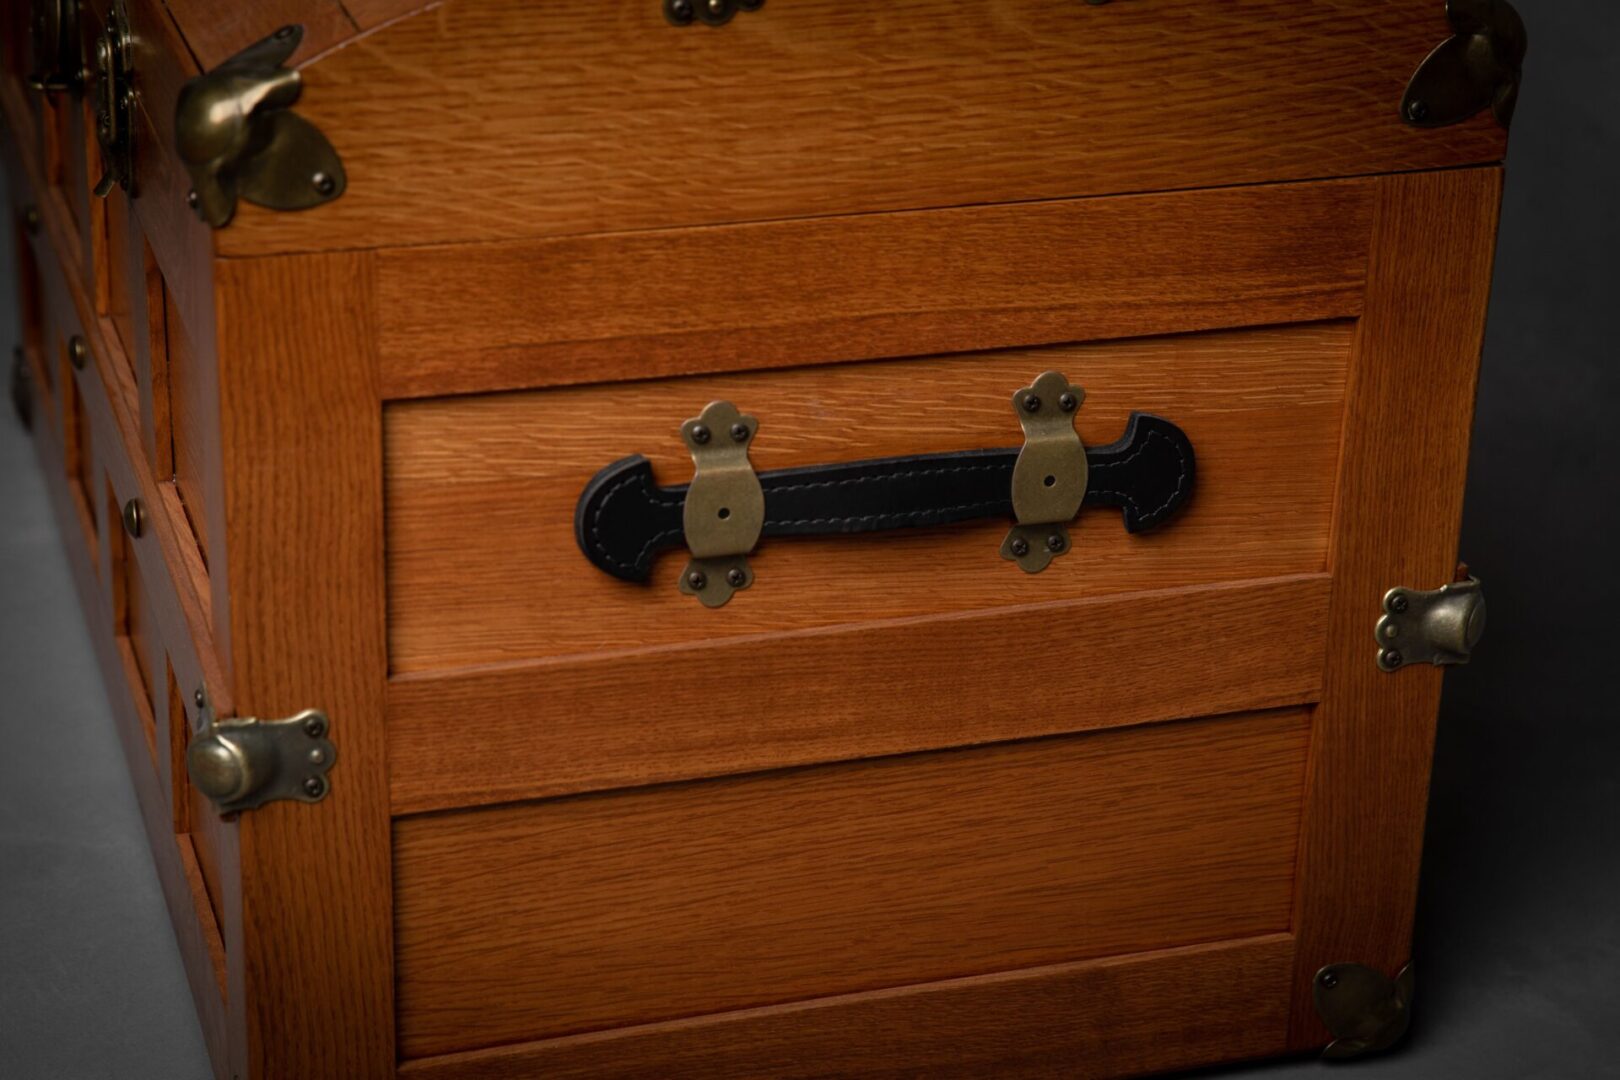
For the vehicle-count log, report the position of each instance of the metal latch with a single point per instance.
(725, 506)
(115, 102)
(241, 763)
(1049, 478)
(1441, 626)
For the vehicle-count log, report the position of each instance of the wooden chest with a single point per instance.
(370, 361)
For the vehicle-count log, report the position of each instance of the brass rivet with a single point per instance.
(77, 353)
(314, 787)
(1068, 402)
(700, 433)
(717, 7)
(324, 183)
(1418, 110)
(314, 727)
(1031, 403)
(696, 580)
(1329, 979)
(135, 518)
(1392, 658)
(317, 756)
(680, 11)
(1020, 547)
(1398, 604)
(1054, 542)
(739, 432)
(736, 577)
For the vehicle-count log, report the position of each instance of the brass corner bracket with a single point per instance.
(1366, 1010)
(238, 136)
(1478, 65)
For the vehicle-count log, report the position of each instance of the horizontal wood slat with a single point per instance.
(622, 719)
(601, 911)
(1155, 1012)
(505, 118)
(483, 565)
(502, 316)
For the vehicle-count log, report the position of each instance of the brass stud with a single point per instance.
(1417, 110)
(135, 518)
(1329, 979)
(77, 353)
(324, 184)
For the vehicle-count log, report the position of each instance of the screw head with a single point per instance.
(314, 787)
(680, 11)
(77, 353)
(1329, 980)
(1020, 547)
(192, 198)
(135, 518)
(717, 7)
(1392, 658)
(1068, 402)
(1055, 542)
(736, 578)
(316, 756)
(324, 183)
(1031, 403)
(1398, 604)
(200, 698)
(700, 433)
(1417, 110)
(314, 726)
(739, 432)
(696, 581)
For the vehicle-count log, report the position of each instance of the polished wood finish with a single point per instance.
(599, 308)
(899, 809)
(301, 446)
(676, 901)
(610, 120)
(1010, 1024)
(515, 466)
(1400, 509)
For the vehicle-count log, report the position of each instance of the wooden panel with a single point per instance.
(649, 905)
(1400, 509)
(481, 492)
(1153, 1012)
(301, 446)
(620, 719)
(505, 118)
(215, 32)
(499, 316)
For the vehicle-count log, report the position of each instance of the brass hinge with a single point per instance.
(1478, 65)
(238, 136)
(1436, 626)
(241, 763)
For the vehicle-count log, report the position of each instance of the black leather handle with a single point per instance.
(623, 519)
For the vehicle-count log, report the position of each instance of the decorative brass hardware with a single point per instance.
(22, 388)
(241, 763)
(1049, 478)
(1366, 1010)
(134, 516)
(115, 102)
(78, 354)
(725, 506)
(708, 12)
(1478, 65)
(57, 64)
(238, 136)
(1441, 626)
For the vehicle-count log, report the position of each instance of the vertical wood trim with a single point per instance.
(301, 445)
(1409, 412)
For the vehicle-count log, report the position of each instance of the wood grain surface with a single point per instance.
(506, 118)
(595, 912)
(302, 553)
(483, 317)
(1411, 405)
(627, 718)
(1010, 1024)
(483, 566)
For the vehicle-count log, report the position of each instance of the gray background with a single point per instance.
(1518, 937)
